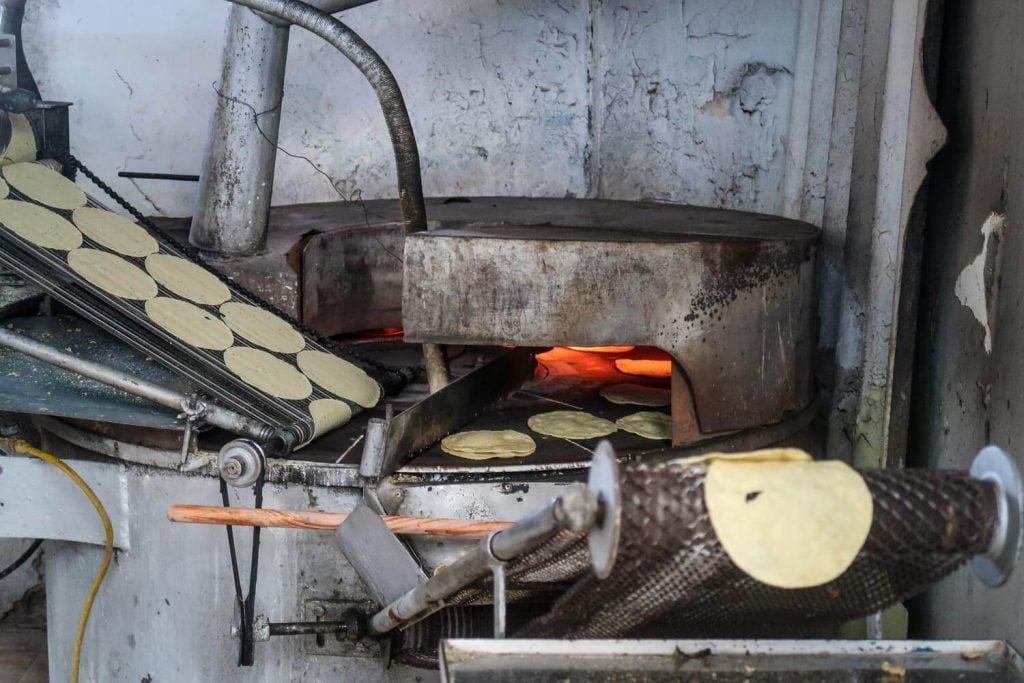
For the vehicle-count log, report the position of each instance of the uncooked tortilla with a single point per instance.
(789, 524)
(487, 444)
(648, 424)
(44, 185)
(637, 394)
(114, 232)
(262, 328)
(22, 146)
(188, 280)
(112, 274)
(5, 189)
(328, 413)
(570, 424)
(763, 455)
(267, 373)
(189, 323)
(38, 225)
(340, 377)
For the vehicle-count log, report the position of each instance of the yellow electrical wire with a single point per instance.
(25, 448)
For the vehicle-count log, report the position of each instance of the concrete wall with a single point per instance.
(676, 101)
(969, 375)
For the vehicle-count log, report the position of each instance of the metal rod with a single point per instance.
(140, 175)
(329, 521)
(435, 361)
(575, 508)
(307, 628)
(211, 413)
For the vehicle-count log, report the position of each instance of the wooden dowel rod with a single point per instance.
(299, 519)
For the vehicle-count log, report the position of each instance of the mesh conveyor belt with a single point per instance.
(672, 577)
(127, 319)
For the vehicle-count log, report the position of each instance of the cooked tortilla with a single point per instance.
(188, 280)
(39, 225)
(269, 374)
(570, 424)
(114, 232)
(648, 424)
(112, 274)
(487, 444)
(262, 328)
(341, 378)
(44, 185)
(637, 394)
(764, 455)
(789, 524)
(189, 323)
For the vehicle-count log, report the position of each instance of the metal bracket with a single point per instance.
(8, 60)
(499, 589)
(992, 464)
(603, 537)
(380, 559)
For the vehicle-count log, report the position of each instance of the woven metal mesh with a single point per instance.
(673, 578)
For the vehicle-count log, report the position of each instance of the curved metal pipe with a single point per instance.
(389, 95)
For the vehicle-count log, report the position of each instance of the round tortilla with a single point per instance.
(267, 373)
(763, 455)
(648, 424)
(5, 189)
(570, 424)
(340, 377)
(789, 524)
(189, 323)
(114, 232)
(328, 414)
(39, 226)
(262, 328)
(637, 395)
(22, 146)
(188, 280)
(44, 185)
(487, 444)
(602, 349)
(112, 274)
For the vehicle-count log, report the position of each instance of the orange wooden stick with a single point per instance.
(300, 519)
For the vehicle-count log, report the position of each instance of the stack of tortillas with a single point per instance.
(785, 520)
(487, 444)
(181, 298)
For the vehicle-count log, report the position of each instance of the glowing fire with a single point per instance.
(602, 349)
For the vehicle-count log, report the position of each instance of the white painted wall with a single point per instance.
(682, 101)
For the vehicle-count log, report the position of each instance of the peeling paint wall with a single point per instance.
(682, 101)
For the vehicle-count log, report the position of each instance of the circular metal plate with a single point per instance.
(994, 465)
(603, 539)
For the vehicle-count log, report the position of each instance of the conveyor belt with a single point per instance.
(127, 319)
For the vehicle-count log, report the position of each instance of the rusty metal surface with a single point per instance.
(728, 294)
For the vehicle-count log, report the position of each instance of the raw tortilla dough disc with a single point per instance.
(340, 377)
(648, 424)
(114, 232)
(637, 394)
(44, 185)
(40, 226)
(22, 146)
(5, 189)
(644, 367)
(262, 328)
(789, 524)
(189, 323)
(268, 374)
(486, 444)
(188, 280)
(327, 413)
(570, 424)
(112, 274)
(764, 455)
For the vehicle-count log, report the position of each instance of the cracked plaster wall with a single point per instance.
(681, 101)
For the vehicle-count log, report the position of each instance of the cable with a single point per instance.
(13, 566)
(23, 447)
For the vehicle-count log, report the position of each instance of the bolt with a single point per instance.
(232, 469)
